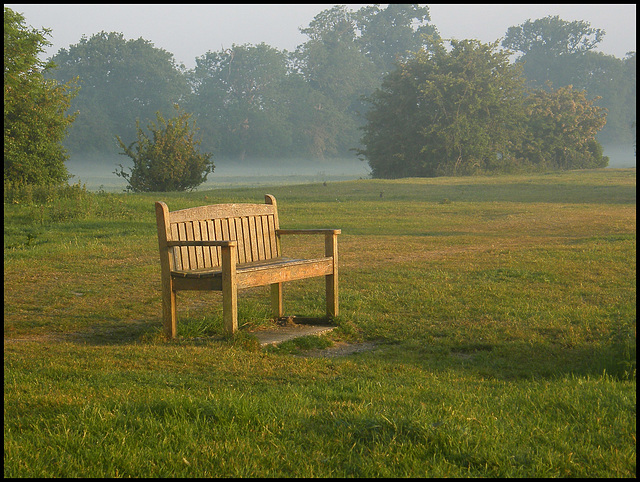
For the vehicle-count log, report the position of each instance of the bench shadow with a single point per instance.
(115, 332)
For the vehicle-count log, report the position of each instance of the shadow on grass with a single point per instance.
(520, 359)
(116, 333)
(508, 360)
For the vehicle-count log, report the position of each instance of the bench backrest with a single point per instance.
(253, 226)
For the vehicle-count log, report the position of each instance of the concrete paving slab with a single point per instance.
(289, 331)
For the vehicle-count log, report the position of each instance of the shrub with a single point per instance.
(34, 108)
(168, 159)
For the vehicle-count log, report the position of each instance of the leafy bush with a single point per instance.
(168, 159)
(467, 111)
(561, 130)
(34, 108)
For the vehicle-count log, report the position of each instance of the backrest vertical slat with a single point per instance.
(243, 238)
(234, 235)
(248, 236)
(177, 262)
(264, 220)
(197, 236)
(240, 237)
(259, 236)
(253, 226)
(246, 227)
(272, 238)
(254, 238)
(184, 252)
(193, 264)
(219, 236)
(206, 251)
(213, 255)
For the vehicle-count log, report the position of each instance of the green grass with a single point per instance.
(503, 311)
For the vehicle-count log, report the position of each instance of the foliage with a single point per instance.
(345, 57)
(552, 36)
(611, 81)
(238, 100)
(441, 112)
(390, 35)
(39, 194)
(561, 129)
(121, 80)
(559, 53)
(34, 108)
(338, 73)
(466, 111)
(552, 49)
(168, 160)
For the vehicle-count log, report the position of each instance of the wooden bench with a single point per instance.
(227, 247)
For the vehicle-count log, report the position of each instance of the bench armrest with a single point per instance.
(224, 243)
(308, 231)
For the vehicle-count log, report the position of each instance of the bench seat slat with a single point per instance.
(255, 266)
(278, 270)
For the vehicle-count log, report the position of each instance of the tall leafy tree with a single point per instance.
(338, 73)
(553, 36)
(551, 48)
(34, 107)
(391, 34)
(446, 112)
(608, 78)
(630, 94)
(239, 100)
(121, 80)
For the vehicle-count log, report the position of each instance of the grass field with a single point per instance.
(502, 311)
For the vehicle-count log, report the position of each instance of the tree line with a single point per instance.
(321, 100)
(248, 100)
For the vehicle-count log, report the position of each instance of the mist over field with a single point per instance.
(620, 155)
(97, 171)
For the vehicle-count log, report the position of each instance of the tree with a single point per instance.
(551, 49)
(34, 108)
(239, 100)
(446, 112)
(168, 160)
(389, 35)
(338, 74)
(122, 80)
(553, 36)
(559, 53)
(607, 78)
(561, 128)
(630, 94)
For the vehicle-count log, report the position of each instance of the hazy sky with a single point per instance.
(189, 31)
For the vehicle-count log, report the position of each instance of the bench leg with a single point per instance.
(331, 282)
(229, 290)
(169, 319)
(230, 309)
(276, 300)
